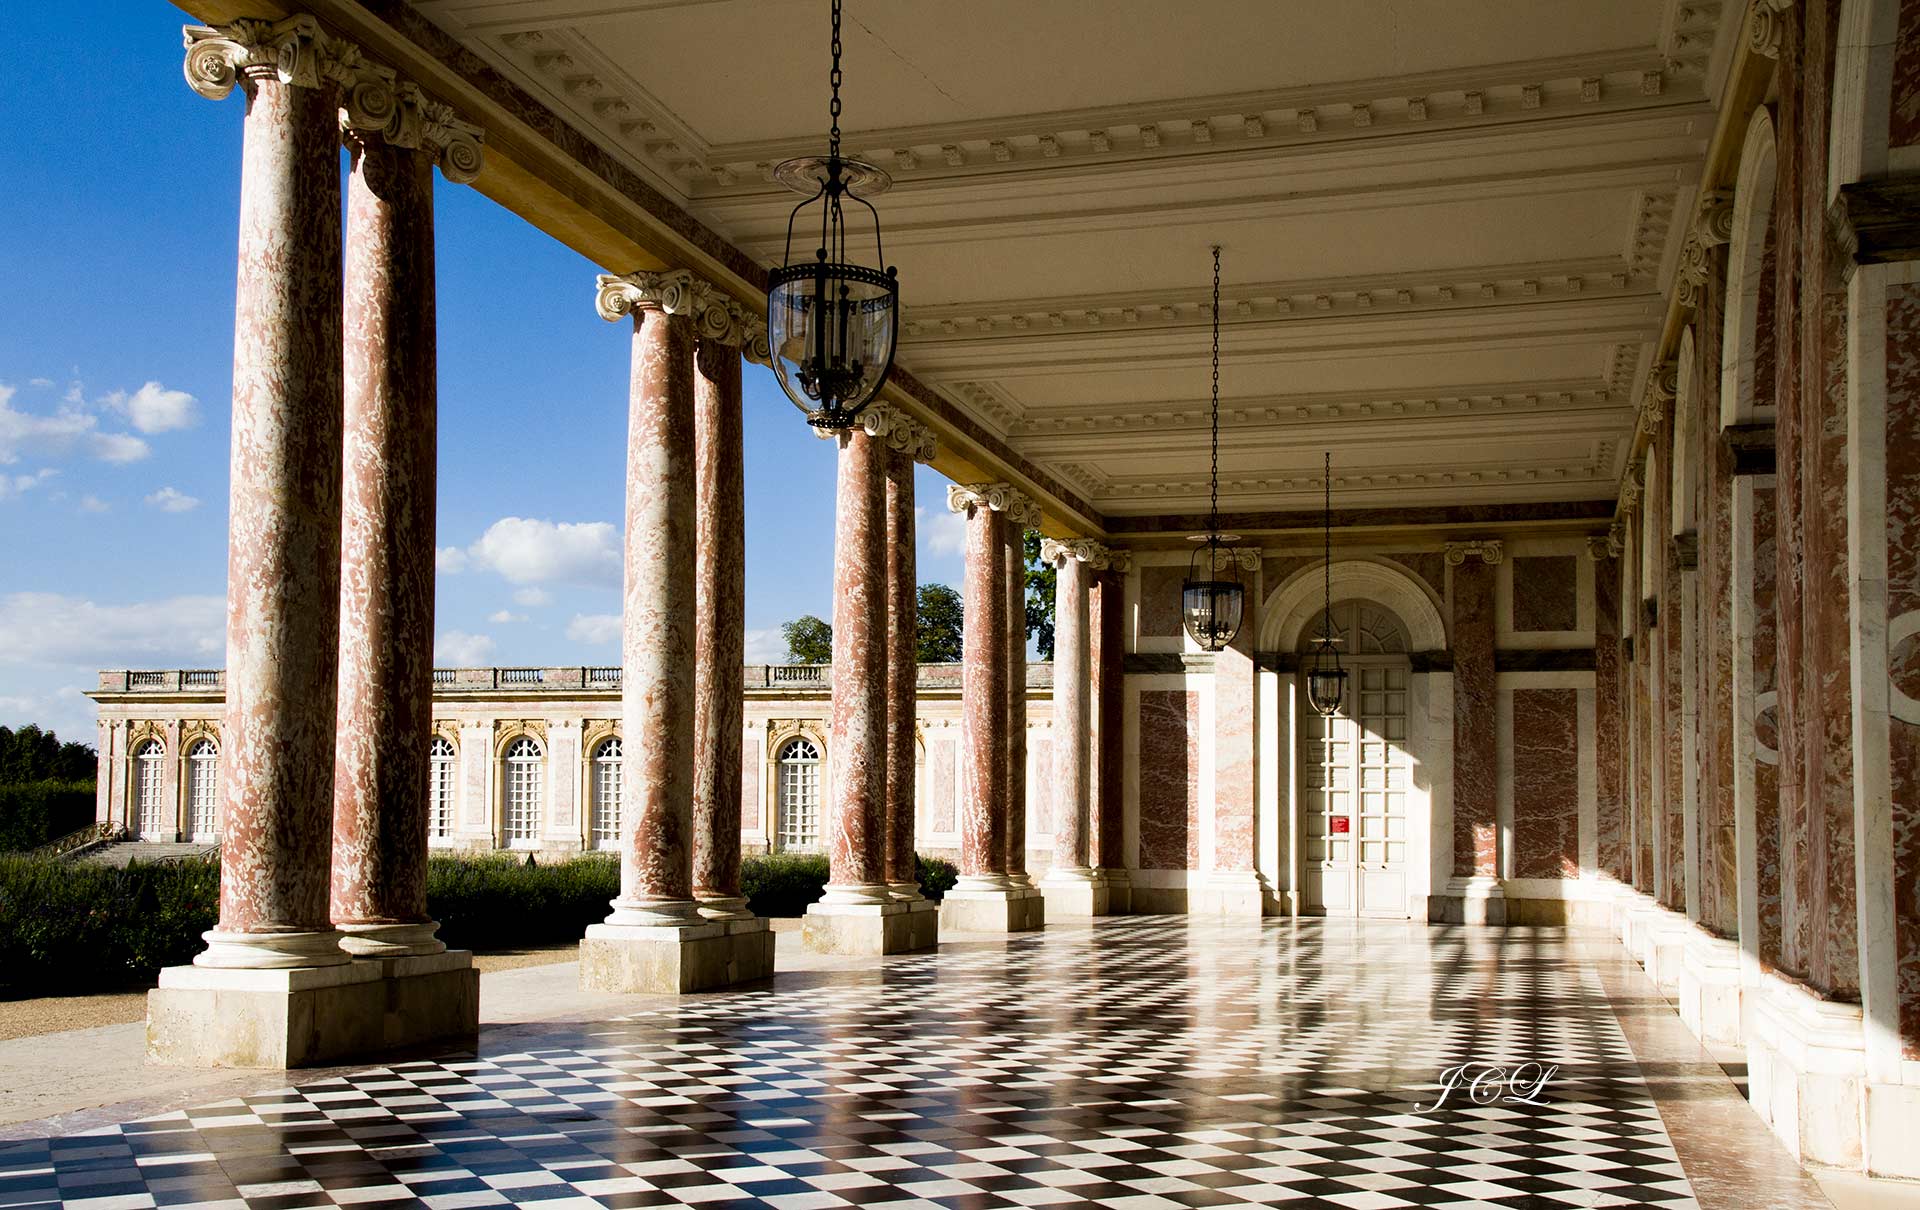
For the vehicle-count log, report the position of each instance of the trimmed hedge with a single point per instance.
(69, 927)
(34, 812)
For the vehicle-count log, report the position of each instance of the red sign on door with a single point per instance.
(1339, 823)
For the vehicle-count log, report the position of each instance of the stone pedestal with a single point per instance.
(1710, 987)
(306, 1016)
(896, 927)
(1470, 900)
(1119, 890)
(673, 959)
(1806, 1071)
(993, 910)
(1228, 895)
(1075, 893)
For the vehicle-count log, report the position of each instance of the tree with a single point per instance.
(809, 640)
(1041, 577)
(942, 621)
(32, 755)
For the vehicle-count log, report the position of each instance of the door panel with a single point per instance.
(1356, 775)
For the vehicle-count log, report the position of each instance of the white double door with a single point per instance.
(1356, 775)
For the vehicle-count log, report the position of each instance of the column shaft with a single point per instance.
(903, 672)
(983, 717)
(1107, 628)
(1072, 714)
(1015, 571)
(856, 828)
(283, 546)
(386, 566)
(1475, 834)
(657, 627)
(720, 632)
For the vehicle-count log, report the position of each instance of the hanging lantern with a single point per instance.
(1326, 679)
(1212, 606)
(831, 323)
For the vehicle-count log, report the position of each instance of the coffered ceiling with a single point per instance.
(1447, 224)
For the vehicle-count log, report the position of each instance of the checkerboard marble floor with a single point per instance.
(1134, 1063)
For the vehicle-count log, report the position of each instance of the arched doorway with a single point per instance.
(1356, 772)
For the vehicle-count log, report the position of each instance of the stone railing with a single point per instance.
(96, 833)
(798, 678)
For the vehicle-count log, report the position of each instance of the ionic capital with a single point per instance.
(1097, 556)
(1766, 26)
(1488, 550)
(453, 144)
(1000, 497)
(1601, 547)
(1696, 266)
(1246, 558)
(675, 291)
(1714, 225)
(294, 51)
(884, 422)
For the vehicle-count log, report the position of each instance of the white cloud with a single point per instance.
(68, 428)
(91, 503)
(506, 615)
(533, 597)
(14, 486)
(449, 560)
(155, 409)
(173, 500)
(457, 648)
(39, 382)
(766, 647)
(594, 628)
(945, 534)
(529, 551)
(49, 628)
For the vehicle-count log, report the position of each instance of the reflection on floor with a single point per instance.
(1135, 1063)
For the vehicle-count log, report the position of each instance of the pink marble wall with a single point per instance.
(1169, 779)
(1904, 112)
(1903, 598)
(1609, 724)
(1236, 743)
(1475, 733)
(1430, 566)
(750, 788)
(1041, 786)
(1160, 601)
(1546, 783)
(1546, 593)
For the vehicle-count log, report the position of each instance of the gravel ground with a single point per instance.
(52, 1014)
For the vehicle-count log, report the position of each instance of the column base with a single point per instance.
(1119, 889)
(675, 959)
(1806, 1071)
(1012, 910)
(871, 929)
(1228, 895)
(204, 1016)
(1656, 937)
(1074, 892)
(1710, 987)
(1473, 900)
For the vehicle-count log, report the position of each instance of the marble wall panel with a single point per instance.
(1546, 783)
(1546, 593)
(751, 788)
(1430, 566)
(1169, 779)
(941, 755)
(1041, 785)
(1903, 126)
(1475, 729)
(1609, 723)
(1160, 601)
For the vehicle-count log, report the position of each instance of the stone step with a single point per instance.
(122, 852)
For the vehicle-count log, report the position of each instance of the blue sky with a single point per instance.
(117, 233)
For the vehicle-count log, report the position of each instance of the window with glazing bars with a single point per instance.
(440, 787)
(799, 794)
(148, 778)
(523, 790)
(203, 788)
(606, 793)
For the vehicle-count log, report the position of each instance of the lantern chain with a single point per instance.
(833, 109)
(1213, 506)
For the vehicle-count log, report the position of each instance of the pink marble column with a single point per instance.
(903, 673)
(720, 625)
(1108, 630)
(386, 569)
(1475, 755)
(983, 693)
(659, 605)
(857, 821)
(1014, 527)
(1609, 719)
(1072, 708)
(283, 537)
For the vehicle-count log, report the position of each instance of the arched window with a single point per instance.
(440, 757)
(149, 778)
(203, 789)
(525, 765)
(606, 794)
(799, 794)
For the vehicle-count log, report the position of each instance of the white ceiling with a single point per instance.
(1447, 224)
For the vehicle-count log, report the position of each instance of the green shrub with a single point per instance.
(67, 927)
(936, 874)
(32, 813)
(498, 901)
(782, 884)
